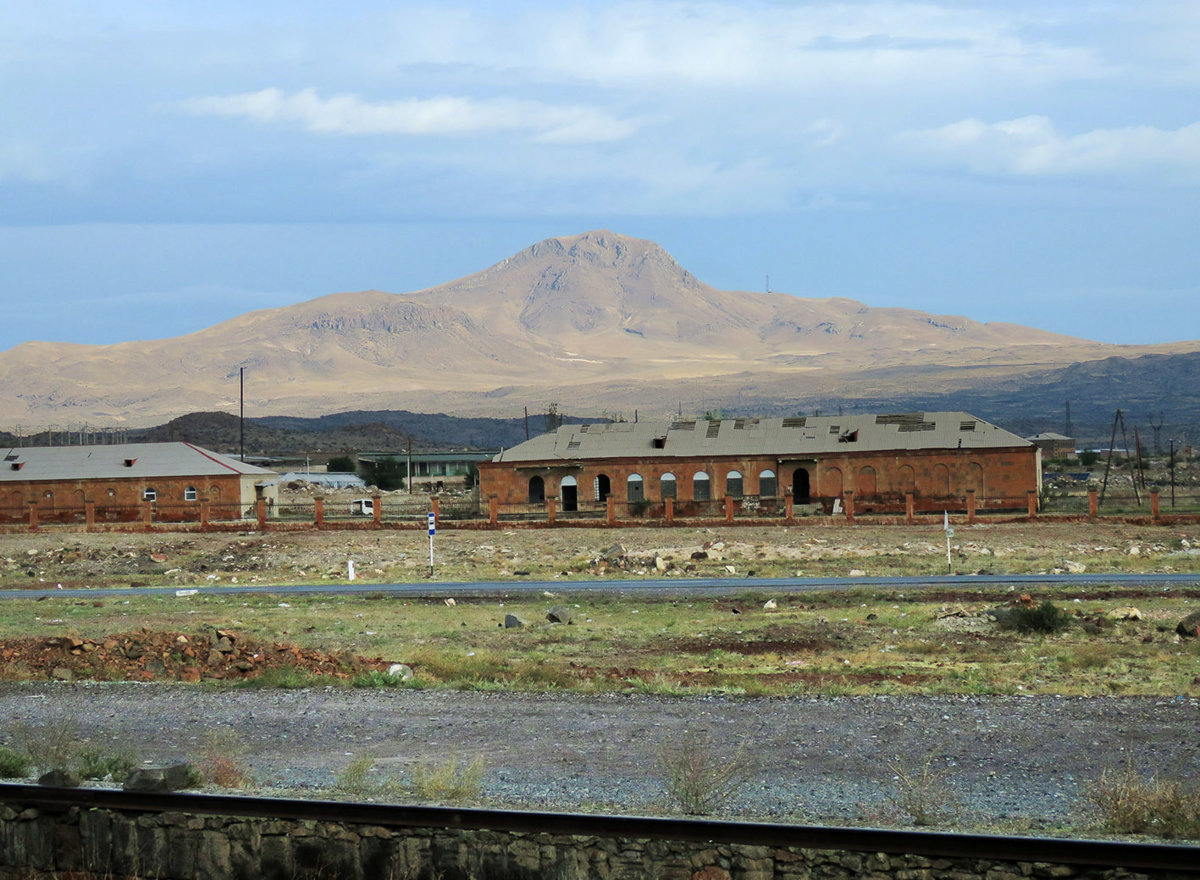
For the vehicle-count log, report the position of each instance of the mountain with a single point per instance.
(599, 322)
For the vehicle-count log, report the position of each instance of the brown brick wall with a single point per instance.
(1001, 478)
(121, 500)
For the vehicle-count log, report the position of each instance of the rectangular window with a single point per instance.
(767, 487)
(189, 494)
(700, 490)
(733, 486)
(668, 489)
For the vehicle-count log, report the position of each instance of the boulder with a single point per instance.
(1074, 567)
(770, 605)
(170, 778)
(61, 673)
(401, 671)
(699, 554)
(1127, 612)
(1189, 627)
(559, 614)
(613, 553)
(511, 621)
(60, 779)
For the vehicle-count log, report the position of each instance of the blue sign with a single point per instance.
(432, 529)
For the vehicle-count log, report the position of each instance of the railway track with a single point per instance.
(1155, 857)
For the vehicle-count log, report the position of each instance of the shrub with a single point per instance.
(95, 762)
(451, 780)
(13, 764)
(220, 761)
(1045, 618)
(355, 779)
(697, 779)
(1125, 803)
(51, 746)
(922, 795)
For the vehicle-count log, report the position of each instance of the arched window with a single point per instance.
(975, 479)
(867, 483)
(634, 488)
(941, 480)
(701, 490)
(907, 478)
(189, 494)
(537, 490)
(733, 484)
(768, 486)
(667, 486)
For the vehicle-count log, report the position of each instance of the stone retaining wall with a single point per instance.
(110, 844)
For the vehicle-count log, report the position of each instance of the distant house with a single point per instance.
(435, 467)
(938, 458)
(119, 480)
(1054, 445)
(324, 479)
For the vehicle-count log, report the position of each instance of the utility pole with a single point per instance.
(1172, 469)
(408, 468)
(1068, 428)
(526, 423)
(242, 412)
(1157, 428)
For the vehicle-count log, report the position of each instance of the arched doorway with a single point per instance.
(941, 480)
(800, 486)
(603, 487)
(868, 486)
(537, 490)
(570, 493)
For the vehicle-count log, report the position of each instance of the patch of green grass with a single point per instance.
(449, 781)
(13, 764)
(97, 762)
(286, 678)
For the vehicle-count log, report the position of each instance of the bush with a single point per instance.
(13, 764)
(341, 464)
(52, 746)
(1089, 458)
(451, 781)
(220, 762)
(1045, 618)
(698, 780)
(95, 762)
(1125, 803)
(922, 795)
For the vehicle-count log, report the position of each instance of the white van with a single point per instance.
(362, 507)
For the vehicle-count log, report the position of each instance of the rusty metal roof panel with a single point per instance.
(791, 437)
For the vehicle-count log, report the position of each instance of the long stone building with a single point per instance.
(175, 479)
(938, 458)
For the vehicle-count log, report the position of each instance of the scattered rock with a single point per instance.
(60, 779)
(731, 569)
(613, 553)
(1074, 567)
(699, 554)
(559, 614)
(857, 573)
(172, 778)
(1128, 612)
(61, 673)
(660, 563)
(770, 605)
(511, 621)
(450, 601)
(401, 671)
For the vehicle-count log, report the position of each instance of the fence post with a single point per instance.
(1154, 504)
(493, 509)
(789, 508)
(909, 508)
(669, 509)
(849, 501)
(319, 510)
(33, 516)
(204, 512)
(1093, 504)
(147, 513)
(551, 510)
(971, 506)
(260, 513)
(435, 504)
(377, 508)
(729, 508)
(611, 512)
(1032, 499)
(89, 514)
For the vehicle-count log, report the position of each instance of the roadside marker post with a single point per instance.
(949, 534)
(432, 531)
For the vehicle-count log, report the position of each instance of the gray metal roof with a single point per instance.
(1049, 435)
(108, 462)
(805, 436)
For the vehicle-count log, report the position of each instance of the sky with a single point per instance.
(166, 166)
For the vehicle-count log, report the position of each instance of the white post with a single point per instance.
(432, 529)
(949, 535)
(350, 569)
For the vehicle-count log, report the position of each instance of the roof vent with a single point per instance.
(714, 428)
(12, 456)
(129, 462)
(739, 424)
(795, 423)
(833, 429)
(583, 429)
(967, 426)
(848, 437)
(574, 444)
(660, 442)
(17, 465)
(683, 426)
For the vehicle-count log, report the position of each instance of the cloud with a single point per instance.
(446, 116)
(1032, 146)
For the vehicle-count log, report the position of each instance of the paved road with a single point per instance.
(647, 586)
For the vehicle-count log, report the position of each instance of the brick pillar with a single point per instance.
(551, 510)
(1031, 498)
(611, 513)
(33, 517)
(909, 508)
(728, 508)
(1093, 504)
(319, 511)
(204, 512)
(493, 509)
(435, 504)
(1154, 504)
(669, 509)
(971, 505)
(789, 508)
(89, 514)
(147, 513)
(377, 505)
(260, 512)
(848, 501)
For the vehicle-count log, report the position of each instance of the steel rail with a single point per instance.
(1115, 854)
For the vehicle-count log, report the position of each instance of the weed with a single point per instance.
(1125, 803)
(95, 762)
(451, 781)
(1045, 618)
(354, 778)
(13, 764)
(285, 678)
(922, 795)
(699, 780)
(52, 746)
(374, 678)
(221, 761)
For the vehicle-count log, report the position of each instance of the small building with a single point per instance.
(119, 480)
(435, 469)
(938, 458)
(1054, 445)
(324, 479)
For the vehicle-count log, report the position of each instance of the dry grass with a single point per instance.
(1127, 803)
(449, 781)
(221, 763)
(923, 794)
(697, 779)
